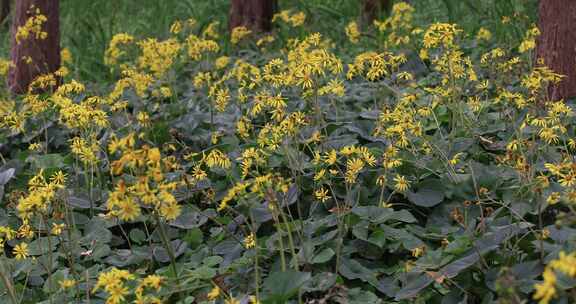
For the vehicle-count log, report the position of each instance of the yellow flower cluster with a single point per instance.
(83, 115)
(158, 56)
(116, 283)
(373, 66)
(529, 42)
(4, 66)
(483, 34)
(259, 185)
(197, 46)
(398, 26)
(6, 234)
(295, 20)
(565, 264)
(150, 187)
(327, 167)
(33, 26)
(114, 50)
(441, 34)
(239, 33)
(352, 32)
(41, 194)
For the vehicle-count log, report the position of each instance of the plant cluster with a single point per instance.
(409, 162)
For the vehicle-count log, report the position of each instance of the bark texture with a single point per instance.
(44, 53)
(372, 9)
(4, 10)
(256, 15)
(557, 43)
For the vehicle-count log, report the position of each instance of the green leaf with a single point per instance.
(429, 193)
(6, 175)
(212, 260)
(320, 282)
(482, 246)
(279, 287)
(323, 256)
(359, 296)
(194, 237)
(352, 269)
(137, 235)
(47, 161)
(42, 245)
(52, 285)
(189, 220)
(377, 238)
(373, 214)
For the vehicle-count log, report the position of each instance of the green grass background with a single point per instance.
(88, 25)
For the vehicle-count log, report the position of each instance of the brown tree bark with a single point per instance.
(556, 45)
(372, 9)
(4, 10)
(256, 15)
(44, 53)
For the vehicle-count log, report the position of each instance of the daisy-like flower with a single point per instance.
(401, 183)
(21, 251)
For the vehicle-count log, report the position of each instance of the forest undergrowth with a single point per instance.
(406, 162)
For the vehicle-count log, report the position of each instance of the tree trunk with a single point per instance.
(32, 57)
(557, 44)
(372, 9)
(4, 10)
(256, 15)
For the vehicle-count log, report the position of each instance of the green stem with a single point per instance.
(168, 247)
(256, 262)
(50, 266)
(282, 257)
(7, 283)
(290, 239)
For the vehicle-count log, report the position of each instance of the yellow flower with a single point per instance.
(214, 293)
(33, 25)
(456, 159)
(238, 33)
(381, 181)
(57, 229)
(152, 281)
(331, 157)
(143, 119)
(217, 158)
(66, 55)
(352, 32)
(319, 175)
(113, 53)
(222, 62)
(298, 19)
(546, 290)
(176, 27)
(401, 183)
(353, 168)
(35, 147)
(483, 34)
(67, 283)
(21, 251)
(211, 30)
(117, 293)
(566, 263)
(128, 210)
(250, 241)
(321, 195)
(418, 251)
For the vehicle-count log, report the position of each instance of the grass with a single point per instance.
(88, 25)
